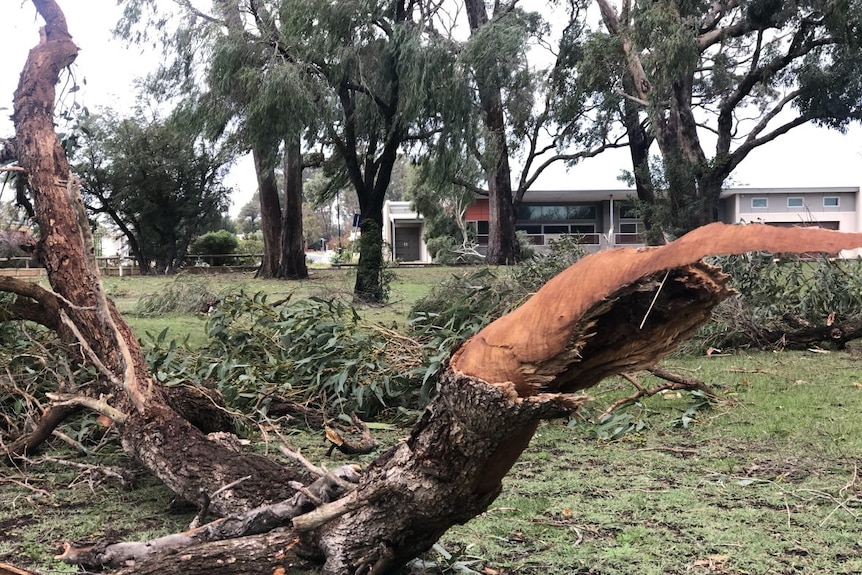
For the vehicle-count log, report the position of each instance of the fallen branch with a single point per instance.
(256, 521)
(365, 443)
(674, 383)
(97, 405)
(51, 418)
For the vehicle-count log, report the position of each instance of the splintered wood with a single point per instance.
(606, 313)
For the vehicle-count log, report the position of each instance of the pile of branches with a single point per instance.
(787, 302)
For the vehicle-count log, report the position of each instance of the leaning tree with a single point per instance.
(612, 312)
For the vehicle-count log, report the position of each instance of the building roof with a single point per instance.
(622, 194)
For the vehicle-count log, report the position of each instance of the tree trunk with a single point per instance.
(292, 265)
(148, 427)
(270, 214)
(369, 273)
(502, 245)
(640, 142)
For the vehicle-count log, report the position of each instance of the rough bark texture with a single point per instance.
(151, 429)
(270, 215)
(292, 265)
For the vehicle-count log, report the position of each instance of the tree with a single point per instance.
(221, 65)
(511, 122)
(372, 69)
(584, 325)
(159, 184)
(744, 73)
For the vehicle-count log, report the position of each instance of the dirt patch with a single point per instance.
(8, 526)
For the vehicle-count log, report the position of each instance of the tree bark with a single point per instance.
(502, 245)
(270, 214)
(149, 428)
(292, 265)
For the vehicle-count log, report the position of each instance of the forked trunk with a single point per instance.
(270, 214)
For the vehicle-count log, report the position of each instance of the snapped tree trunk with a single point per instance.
(616, 311)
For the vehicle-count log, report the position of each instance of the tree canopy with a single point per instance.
(158, 182)
(730, 75)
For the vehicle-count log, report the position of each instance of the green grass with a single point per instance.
(766, 481)
(409, 285)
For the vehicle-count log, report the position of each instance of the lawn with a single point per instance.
(764, 481)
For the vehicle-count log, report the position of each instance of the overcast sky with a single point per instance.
(808, 156)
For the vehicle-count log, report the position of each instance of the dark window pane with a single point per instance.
(556, 229)
(532, 230)
(582, 212)
(629, 212)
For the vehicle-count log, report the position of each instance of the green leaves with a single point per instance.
(314, 351)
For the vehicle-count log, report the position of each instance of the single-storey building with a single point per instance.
(607, 218)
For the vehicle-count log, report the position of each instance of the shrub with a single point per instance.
(213, 244)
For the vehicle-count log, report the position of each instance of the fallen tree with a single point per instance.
(613, 312)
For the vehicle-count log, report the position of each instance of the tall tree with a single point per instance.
(511, 123)
(222, 64)
(744, 73)
(159, 182)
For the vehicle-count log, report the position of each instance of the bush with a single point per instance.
(212, 244)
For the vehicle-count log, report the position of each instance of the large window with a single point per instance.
(795, 203)
(556, 213)
(582, 212)
(759, 203)
(831, 202)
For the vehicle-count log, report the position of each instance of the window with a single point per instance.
(831, 202)
(583, 229)
(556, 229)
(555, 213)
(531, 230)
(795, 203)
(629, 212)
(759, 203)
(529, 213)
(582, 212)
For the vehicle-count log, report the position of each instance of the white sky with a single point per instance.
(808, 156)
